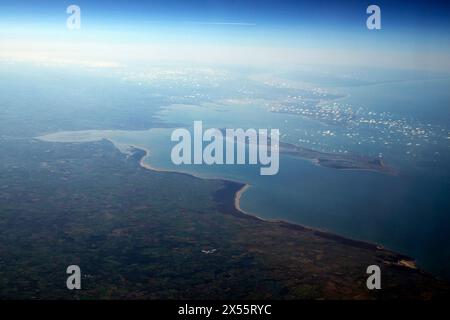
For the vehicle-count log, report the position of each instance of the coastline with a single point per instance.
(237, 197)
(237, 189)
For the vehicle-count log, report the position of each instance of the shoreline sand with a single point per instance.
(237, 197)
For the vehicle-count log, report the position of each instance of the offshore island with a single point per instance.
(341, 161)
(337, 161)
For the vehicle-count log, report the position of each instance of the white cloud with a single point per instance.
(113, 55)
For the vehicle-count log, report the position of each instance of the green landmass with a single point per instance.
(141, 234)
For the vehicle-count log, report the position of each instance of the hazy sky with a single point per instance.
(414, 35)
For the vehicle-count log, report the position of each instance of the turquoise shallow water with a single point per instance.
(408, 213)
